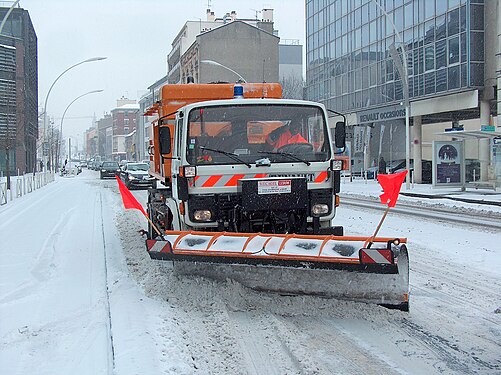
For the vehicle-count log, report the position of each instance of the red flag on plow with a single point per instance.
(391, 184)
(129, 200)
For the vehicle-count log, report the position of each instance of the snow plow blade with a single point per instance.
(341, 267)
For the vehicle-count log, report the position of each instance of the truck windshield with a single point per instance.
(249, 130)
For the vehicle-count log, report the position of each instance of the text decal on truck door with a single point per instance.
(274, 187)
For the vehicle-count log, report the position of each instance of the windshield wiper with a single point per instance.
(291, 156)
(229, 154)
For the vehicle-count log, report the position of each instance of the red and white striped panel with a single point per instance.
(158, 246)
(376, 256)
(221, 180)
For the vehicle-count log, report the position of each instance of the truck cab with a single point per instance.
(249, 165)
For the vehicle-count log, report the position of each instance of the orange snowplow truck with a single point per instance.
(212, 140)
(244, 177)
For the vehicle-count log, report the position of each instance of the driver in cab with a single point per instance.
(285, 135)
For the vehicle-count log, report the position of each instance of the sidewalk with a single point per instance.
(482, 198)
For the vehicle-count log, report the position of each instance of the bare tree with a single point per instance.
(292, 86)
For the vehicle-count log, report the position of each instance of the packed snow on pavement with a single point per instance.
(80, 295)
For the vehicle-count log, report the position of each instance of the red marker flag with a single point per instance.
(129, 200)
(391, 184)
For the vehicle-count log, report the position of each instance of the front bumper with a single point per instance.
(108, 174)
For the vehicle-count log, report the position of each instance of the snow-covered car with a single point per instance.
(136, 175)
(109, 169)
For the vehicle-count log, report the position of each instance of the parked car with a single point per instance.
(96, 165)
(109, 169)
(136, 175)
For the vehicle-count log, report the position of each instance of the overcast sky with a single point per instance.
(134, 35)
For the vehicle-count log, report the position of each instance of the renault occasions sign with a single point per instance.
(381, 114)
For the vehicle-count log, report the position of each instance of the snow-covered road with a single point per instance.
(79, 294)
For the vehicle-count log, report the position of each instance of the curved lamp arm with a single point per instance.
(211, 62)
(53, 83)
(64, 113)
(60, 75)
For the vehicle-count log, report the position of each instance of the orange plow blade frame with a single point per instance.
(352, 268)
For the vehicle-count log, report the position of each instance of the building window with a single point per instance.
(476, 74)
(464, 76)
(477, 46)
(429, 8)
(440, 49)
(429, 83)
(408, 15)
(454, 50)
(429, 28)
(429, 58)
(441, 80)
(441, 7)
(453, 79)
(463, 47)
(477, 17)
(440, 32)
(462, 18)
(453, 22)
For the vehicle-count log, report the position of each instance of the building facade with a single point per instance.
(124, 123)
(104, 137)
(144, 128)
(251, 52)
(18, 93)
(247, 46)
(364, 56)
(290, 68)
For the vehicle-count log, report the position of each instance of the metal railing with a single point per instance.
(23, 184)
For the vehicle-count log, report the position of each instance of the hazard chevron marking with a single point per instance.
(382, 256)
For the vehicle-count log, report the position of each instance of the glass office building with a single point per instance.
(354, 48)
(349, 65)
(18, 93)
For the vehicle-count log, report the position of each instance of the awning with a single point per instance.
(471, 134)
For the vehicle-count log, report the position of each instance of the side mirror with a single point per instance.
(164, 139)
(340, 134)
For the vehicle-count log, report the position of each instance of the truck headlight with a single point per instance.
(319, 209)
(190, 171)
(202, 215)
(131, 177)
(337, 165)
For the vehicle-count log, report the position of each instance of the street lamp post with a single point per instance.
(211, 62)
(402, 68)
(50, 89)
(62, 119)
